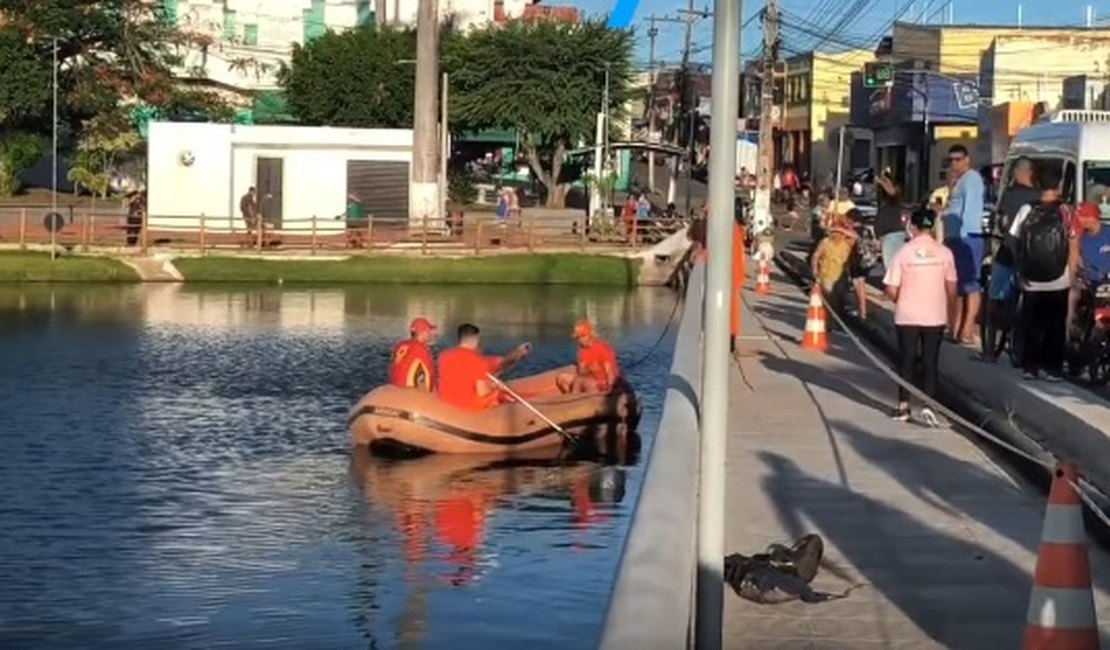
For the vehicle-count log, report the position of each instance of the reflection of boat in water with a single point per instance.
(441, 503)
(407, 419)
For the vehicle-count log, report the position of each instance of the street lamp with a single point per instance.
(54, 154)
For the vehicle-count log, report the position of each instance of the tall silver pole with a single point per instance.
(54, 156)
(715, 363)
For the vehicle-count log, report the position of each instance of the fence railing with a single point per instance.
(652, 602)
(460, 233)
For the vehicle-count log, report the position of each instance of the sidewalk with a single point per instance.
(1068, 419)
(941, 539)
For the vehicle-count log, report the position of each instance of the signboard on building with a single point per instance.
(967, 94)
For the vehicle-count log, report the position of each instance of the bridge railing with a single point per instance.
(651, 605)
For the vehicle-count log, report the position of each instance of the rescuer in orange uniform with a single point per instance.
(738, 241)
(411, 365)
(464, 370)
(597, 368)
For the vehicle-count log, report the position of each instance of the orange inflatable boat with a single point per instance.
(409, 420)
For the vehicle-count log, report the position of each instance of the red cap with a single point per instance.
(583, 328)
(421, 326)
(1088, 211)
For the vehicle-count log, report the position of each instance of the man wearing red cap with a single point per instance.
(597, 364)
(411, 364)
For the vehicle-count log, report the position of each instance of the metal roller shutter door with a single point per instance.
(381, 186)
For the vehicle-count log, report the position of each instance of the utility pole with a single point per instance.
(683, 101)
(653, 33)
(425, 203)
(762, 217)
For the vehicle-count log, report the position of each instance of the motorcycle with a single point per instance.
(1089, 344)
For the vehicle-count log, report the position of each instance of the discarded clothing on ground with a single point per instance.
(780, 574)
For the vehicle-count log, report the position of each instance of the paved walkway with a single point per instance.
(940, 538)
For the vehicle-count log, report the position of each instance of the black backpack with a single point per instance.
(1042, 246)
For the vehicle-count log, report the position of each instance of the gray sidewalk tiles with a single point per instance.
(938, 540)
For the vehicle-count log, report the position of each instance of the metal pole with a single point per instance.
(653, 32)
(444, 148)
(762, 209)
(54, 156)
(715, 362)
(840, 163)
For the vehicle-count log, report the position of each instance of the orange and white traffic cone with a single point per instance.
(1061, 606)
(763, 278)
(815, 337)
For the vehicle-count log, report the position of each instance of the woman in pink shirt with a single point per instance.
(921, 280)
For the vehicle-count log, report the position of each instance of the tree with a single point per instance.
(108, 51)
(358, 78)
(104, 141)
(24, 80)
(546, 80)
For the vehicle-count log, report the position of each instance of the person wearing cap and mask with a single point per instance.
(921, 280)
(411, 364)
(597, 369)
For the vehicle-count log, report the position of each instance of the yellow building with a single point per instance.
(812, 99)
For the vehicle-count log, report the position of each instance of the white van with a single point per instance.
(1072, 146)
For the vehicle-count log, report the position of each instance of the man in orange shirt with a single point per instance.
(411, 363)
(464, 370)
(597, 364)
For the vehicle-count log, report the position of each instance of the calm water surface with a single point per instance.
(175, 474)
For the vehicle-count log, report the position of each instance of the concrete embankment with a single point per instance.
(1067, 420)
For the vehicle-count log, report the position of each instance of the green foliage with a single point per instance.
(18, 152)
(38, 267)
(461, 187)
(546, 80)
(24, 80)
(105, 141)
(601, 270)
(357, 78)
(109, 51)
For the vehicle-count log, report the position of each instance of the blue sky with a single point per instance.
(669, 43)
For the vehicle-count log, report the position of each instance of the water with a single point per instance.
(175, 473)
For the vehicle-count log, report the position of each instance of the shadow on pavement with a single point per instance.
(933, 578)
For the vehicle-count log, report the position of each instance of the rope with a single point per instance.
(1047, 461)
(681, 300)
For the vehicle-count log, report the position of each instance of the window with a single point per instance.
(365, 14)
(314, 26)
(1096, 185)
(229, 25)
(250, 34)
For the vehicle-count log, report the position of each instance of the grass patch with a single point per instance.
(38, 267)
(498, 269)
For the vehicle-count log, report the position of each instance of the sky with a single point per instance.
(669, 42)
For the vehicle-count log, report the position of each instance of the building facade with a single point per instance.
(248, 40)
(812, 102)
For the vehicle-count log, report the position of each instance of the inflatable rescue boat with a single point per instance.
(410, 420)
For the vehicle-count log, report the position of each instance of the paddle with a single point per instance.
(500, 384)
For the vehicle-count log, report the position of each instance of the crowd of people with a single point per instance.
(467, 378)
(1046, 253)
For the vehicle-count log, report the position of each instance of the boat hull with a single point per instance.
(405, 419)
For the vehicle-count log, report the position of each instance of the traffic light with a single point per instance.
(877, 75)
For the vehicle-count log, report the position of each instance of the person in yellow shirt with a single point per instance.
(830, 261)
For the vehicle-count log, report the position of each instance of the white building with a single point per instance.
(196, 169)
(251, 38)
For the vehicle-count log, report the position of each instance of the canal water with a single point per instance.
(175, 473)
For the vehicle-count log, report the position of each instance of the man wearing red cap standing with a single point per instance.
(597, 364)
(411, 364)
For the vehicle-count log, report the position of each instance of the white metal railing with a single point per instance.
(651, 605)
(1078, 115)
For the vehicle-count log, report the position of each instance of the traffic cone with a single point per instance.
(1061, 606)
(763, 278)
(815, 337)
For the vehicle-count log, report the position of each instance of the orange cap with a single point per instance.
(1088, 211)
(421, 326)
(583, 328)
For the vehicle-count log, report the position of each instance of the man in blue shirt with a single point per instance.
(963, 234)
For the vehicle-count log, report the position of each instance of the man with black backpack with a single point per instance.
(1047, 256)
